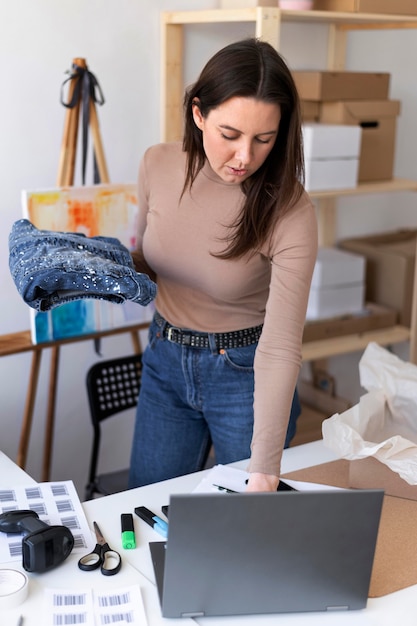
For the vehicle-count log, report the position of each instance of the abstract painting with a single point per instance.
(107, 210)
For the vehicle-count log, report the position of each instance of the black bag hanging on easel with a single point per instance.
(84, 92)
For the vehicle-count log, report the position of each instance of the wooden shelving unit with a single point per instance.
(267, 26)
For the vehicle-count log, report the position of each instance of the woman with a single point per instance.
(229, 233)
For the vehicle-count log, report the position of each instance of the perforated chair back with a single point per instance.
(112, 387)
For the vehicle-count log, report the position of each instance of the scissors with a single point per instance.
(102, 556)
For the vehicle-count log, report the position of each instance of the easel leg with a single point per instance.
(29, 406)
(98, 146)
(50, 419)
(137, 345)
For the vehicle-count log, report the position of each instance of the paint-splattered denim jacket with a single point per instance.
(50, 268)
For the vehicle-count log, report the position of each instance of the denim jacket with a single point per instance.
(50, 268)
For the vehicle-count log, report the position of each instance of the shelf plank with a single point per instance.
(314, 350)
(210, 16)
(386, 186)
(350, 20)
(15, 343)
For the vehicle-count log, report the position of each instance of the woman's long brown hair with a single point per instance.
(254, 69)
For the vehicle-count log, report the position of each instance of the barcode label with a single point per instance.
(15, 548)
(33, 493)
(69, 599)
(68, 619)
(64, 506)
(79, 541)
(115, 600)
(6, 495)
(39, 508)
(85, 607)
(71, 522)
(6, 509)
(117, 618)
(59, 490)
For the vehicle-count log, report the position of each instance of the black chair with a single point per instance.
(112, 387)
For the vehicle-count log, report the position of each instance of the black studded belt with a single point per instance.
(194, 339)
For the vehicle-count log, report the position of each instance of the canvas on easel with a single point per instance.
(107, 210)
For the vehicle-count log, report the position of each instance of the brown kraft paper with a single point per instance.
(395, 563)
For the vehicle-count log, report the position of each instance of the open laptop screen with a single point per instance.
(240, 554)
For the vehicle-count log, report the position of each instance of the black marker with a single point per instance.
(157, 523)
(226, 489)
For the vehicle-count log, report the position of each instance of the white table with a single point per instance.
(12, 474)
(399, 608)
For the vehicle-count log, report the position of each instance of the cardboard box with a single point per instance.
(331, 155)
(390, 259)
(378, 120)
(370, 473)
(310, 111)
(332, 86)
(247, 4)
(392, 7)
(372, 317)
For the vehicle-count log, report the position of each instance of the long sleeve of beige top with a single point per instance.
(177, 237)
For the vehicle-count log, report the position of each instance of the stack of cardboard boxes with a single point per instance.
(355, 100)
(391, 7)
(349, 132)
(390, 261)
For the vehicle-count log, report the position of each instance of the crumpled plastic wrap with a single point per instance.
(383, 424)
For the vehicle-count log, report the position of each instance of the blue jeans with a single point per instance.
(191, 398)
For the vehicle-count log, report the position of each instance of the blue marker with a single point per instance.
(157, 523)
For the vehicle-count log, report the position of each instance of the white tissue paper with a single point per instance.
(384, 423)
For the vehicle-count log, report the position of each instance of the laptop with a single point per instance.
(257, 553)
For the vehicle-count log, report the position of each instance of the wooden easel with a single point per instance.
(66, 166)
(65, 178)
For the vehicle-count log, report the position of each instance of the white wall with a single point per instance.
(120, 40)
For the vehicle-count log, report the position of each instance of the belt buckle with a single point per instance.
(170, 337)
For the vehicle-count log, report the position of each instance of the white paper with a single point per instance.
(220, 478)
(383, 424)
(94, 608)
(56, 503)
(223, 479)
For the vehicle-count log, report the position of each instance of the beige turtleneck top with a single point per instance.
(199, 291)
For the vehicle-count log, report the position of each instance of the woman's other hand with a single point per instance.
(262, 482)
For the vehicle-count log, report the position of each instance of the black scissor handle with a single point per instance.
(111, 561)
(91, 561)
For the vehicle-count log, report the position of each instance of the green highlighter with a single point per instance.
(128, 531)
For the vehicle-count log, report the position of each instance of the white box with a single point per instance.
(338, 284)
(327, 174)
(336, 267)
(327, 302)
(331, 141)
(331, 155)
